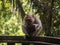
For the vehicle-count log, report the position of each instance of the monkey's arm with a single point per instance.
(24, 29)
(37, 30)
(38, 24)
(38, 27)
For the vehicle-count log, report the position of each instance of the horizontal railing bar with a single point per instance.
(19, 39)
(14, 41)
(30, 42)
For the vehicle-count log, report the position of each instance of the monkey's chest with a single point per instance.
(30, 29)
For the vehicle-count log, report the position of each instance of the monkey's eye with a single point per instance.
(28, 20)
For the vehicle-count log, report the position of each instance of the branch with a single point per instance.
(20, 8)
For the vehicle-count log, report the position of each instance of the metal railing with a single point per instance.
(11, 40)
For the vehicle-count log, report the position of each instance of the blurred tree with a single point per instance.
(46, 10)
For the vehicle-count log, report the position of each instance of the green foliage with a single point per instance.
(9, 20)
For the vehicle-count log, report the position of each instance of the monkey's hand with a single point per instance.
(36, 26)
(37, 30)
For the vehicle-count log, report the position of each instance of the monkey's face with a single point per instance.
(29, 19)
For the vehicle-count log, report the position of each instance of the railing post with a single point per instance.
(10, 43)
(25, 43)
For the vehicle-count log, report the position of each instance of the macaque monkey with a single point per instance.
(32, 26)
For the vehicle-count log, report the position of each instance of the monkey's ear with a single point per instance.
(25, 16)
